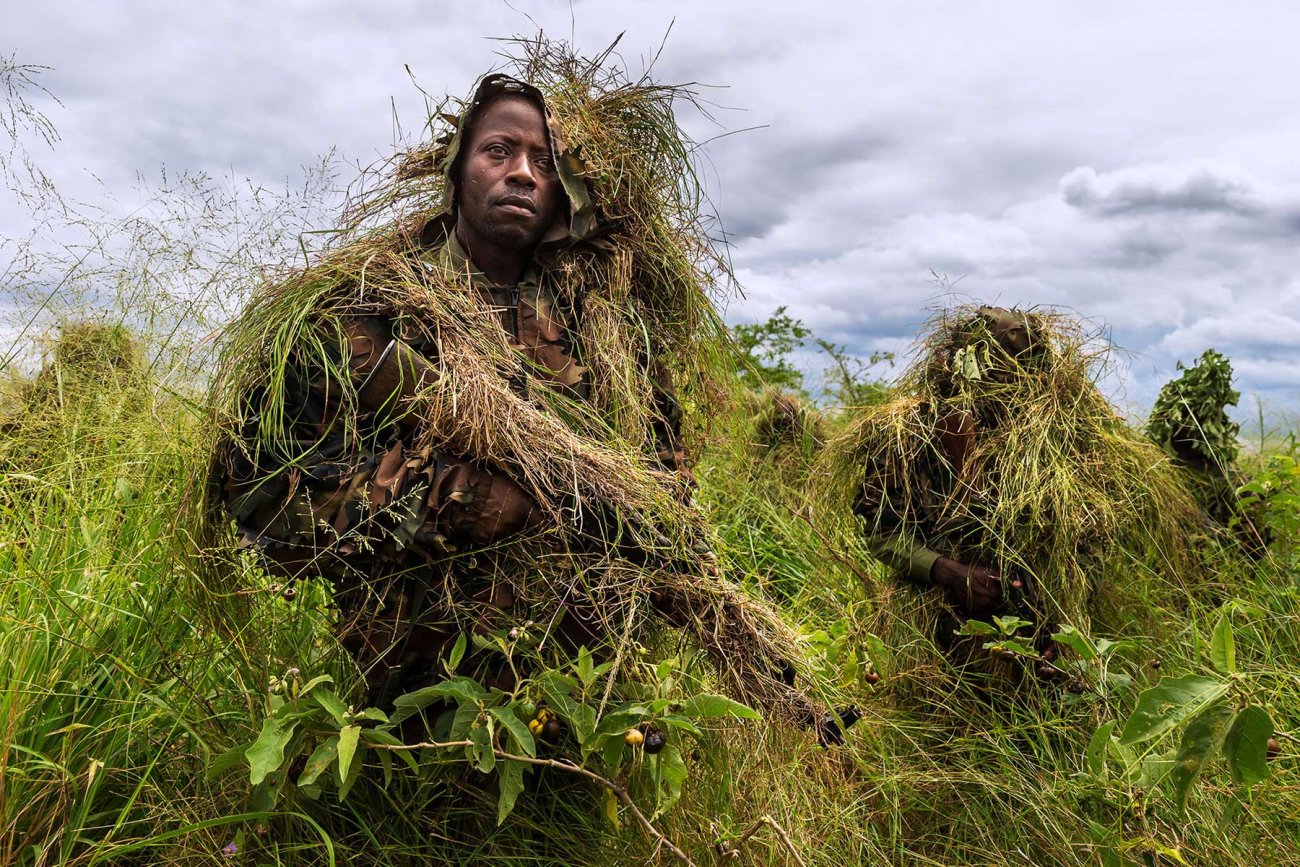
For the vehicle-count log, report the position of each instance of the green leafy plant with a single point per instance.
(561, 719)
(1272, 496)
(1219, 714)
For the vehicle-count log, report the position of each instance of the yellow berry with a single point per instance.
(633, 738)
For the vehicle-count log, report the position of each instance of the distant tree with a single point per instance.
(767, 347)
(848, 379)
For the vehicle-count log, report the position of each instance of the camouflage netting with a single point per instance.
(1055, 483)
(646, 270)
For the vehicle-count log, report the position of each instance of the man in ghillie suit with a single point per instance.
(999, 481)
(1190, 422)
(462, 414)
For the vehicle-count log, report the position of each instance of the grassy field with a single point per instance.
(131, 661)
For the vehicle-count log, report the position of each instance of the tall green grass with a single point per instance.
(122, 676)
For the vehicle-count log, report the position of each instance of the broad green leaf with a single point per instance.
(1200, 745)
(347, 747)
(1223, 647)
(267, 752)
(373, 714)
(299, 708)
(677, 721)
(264, 797)
(612, 753)
(1076, 641)
(705, 706)
(1013, 645)
(877, 653)
(511, 781)
(1106, 647)
(347, 782)
(319, 762)
(671, 774)
(1118, 680)
(1125, 755)
(457, 653)
(1096, 754)
(978, 627)
(584, 667)
(463, 689)
(1154, 768)
(226, 761)
(557, 681)
(518, 730)
(463, 722)
(1246, 747)
(614, 724)
(332, 703)
(609, 807)
(1164, 706)
(315, 682)
(1008, 624)
(480, 749)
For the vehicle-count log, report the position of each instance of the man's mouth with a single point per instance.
(517, 204)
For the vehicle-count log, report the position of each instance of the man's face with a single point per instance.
(508, 191)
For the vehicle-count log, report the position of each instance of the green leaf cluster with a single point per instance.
(1218, 716)
(1190, 419)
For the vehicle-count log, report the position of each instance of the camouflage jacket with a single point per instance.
(326, 505)
(908, 519)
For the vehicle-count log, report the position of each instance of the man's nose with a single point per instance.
(522, 171)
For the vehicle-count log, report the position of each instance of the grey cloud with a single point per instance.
(772, 172)
(1158, 188)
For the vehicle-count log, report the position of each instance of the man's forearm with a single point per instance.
(905, 556)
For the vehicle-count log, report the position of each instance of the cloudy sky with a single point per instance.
(1135, 162)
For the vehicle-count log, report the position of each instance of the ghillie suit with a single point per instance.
(89, 369)
(782, 419)
(998, 450)
(1190, 422)
(453, 454)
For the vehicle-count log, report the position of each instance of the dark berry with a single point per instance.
(654, 741)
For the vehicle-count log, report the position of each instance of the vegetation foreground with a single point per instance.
(133, 690)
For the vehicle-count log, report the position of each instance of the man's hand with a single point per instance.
(978, 589)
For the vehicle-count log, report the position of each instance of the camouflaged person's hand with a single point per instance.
(977, 589)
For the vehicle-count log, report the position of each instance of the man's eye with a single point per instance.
(498, 150)
(546, 164)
